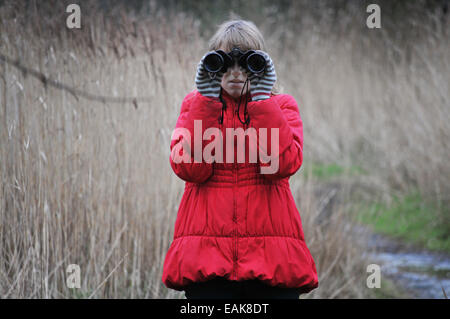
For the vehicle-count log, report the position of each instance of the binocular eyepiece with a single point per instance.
(219, 61)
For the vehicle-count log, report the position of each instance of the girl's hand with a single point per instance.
(208, 84)
(261, 84)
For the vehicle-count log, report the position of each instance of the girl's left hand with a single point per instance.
(261, 84)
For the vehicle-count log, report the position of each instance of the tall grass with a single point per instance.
(89, 183)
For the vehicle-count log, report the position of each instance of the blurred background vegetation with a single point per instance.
(85, 176)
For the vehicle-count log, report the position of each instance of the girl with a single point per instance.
(238, 232)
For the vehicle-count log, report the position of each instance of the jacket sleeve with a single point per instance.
(194, 107)
(281, 113)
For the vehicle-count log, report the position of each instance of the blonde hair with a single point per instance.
(238, 33)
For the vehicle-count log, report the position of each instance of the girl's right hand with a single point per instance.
(208, 85)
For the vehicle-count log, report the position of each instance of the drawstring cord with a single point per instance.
(224, 105)
(246, 115)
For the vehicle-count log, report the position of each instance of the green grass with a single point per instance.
(389, 290)
(76, 293)
(324, 171)
(409, 218)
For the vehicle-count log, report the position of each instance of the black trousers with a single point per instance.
(221, 288)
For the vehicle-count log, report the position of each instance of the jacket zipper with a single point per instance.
(235, 239)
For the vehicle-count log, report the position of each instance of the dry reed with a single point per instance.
(89, 183)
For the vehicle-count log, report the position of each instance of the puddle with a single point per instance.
(423, 274)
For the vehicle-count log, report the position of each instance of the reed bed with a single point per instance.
(85, 174)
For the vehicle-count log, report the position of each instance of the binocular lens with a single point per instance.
(220, 61)
(213, 62)
(256, 63)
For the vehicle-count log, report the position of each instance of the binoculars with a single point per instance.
(219, 61)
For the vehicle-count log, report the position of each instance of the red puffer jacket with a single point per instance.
(233, 221)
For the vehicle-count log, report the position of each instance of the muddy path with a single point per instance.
(413, 271)
(417, 272)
